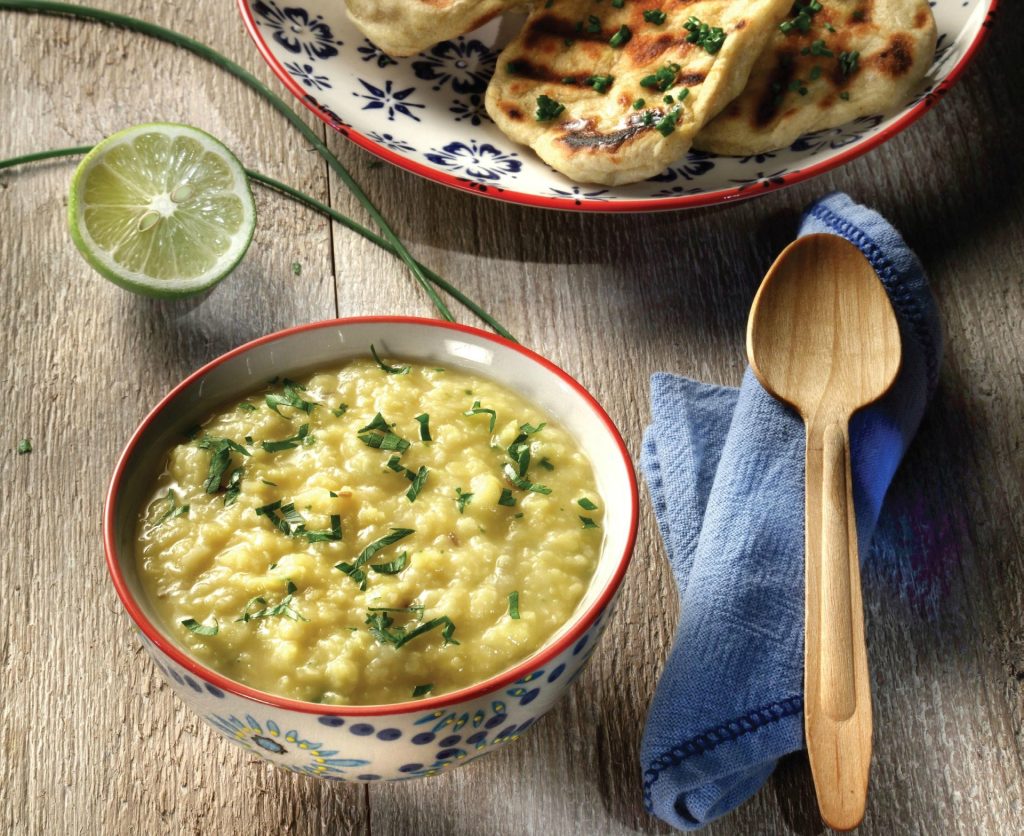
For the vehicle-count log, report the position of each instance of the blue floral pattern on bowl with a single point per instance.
(440, 92)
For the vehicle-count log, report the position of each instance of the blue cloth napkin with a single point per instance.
(725, 469)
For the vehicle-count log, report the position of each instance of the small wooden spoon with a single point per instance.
(822, 336)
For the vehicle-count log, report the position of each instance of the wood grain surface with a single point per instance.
(94, 742)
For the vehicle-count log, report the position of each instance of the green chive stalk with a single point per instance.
(210, 54)
(312, 203)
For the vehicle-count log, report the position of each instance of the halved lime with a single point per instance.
(162, 209)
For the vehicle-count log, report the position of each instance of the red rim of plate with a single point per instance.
(536, 660)
(583, 204)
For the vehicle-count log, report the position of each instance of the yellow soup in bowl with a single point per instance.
(370, 534)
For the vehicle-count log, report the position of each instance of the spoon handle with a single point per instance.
(837, 695)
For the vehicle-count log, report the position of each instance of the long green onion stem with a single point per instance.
(202, 50)
(312, 203)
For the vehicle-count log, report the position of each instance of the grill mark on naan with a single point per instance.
(587, 137)
(897, 58)
(770, 102)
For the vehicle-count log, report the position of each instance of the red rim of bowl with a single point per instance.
(536, 660)
(582, 204)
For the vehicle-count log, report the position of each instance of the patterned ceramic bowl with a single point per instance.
(384, 742)
(426, 113)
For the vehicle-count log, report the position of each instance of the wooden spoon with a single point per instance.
(823, 337)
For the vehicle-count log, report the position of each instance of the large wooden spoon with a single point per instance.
(823, 337)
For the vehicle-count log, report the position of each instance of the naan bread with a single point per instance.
(405, 27)
(786, 97)
(567, 53)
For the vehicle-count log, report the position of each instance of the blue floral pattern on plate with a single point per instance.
(441, 92)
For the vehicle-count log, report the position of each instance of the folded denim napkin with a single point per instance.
(725, 469)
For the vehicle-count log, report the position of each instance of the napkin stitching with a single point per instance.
(909, 306)
(709, 739)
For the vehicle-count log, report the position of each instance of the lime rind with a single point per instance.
(162, 209)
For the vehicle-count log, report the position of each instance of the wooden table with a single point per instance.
(94, 742)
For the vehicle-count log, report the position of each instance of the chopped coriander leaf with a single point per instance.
(331, 536)
(519, 452)
(620, 38)
(601, 83)
(476, 409)
(418, 480)
(655, 16)
(710, 38)
(385, 367)
(301, 437)
(394, 567)
(382, 627)
(234, 486)
(548, 108)
(393, 464)
(546, 464)
(529, 429)
(522, 482)
(506, 498)
(462, 499)
(290, 398)
(379, 422)
(384, 441)
(24, 446)
(201, 629)
(513, 605)
(424, 422)
(220, 457)
(588, 523)
(422, 690)
(283, 609)
(245, 406)
(354, 570)
(586, 504)
(173, 510)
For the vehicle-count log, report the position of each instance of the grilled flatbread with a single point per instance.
(405, 27)
(809, 80)
(614, 95)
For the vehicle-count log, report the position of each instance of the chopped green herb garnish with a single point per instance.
(513, 605)
(546, 464)
(340, 410)
(529, 429)
(290, 398)
(506, 498)
(24, 446)
(522, 482)
(422, 690)
(354, 570)
(667, 123)
(639, 103)
(548, 108)
(394, 567)
(661, 80)
(201, 629)
(588, 523)
(283, 609)
(383, 629)
(601, 83)
(476, 409)
(618, 4)
(173, 510)
(519, 452)
(220, 457)
(593, 24)
(848, 62)
(234, 487)
(418, 481)
(462, 499)
(384, 441)
(655, 16)
(296, 268)
(815, 73)
(424, 421)
(710, 38)
(333, 535)
(385, 367)
(291, 523)
(515, 67)
(830, 27)
(245, 406)
(379, 422)
(268, 482)
(301, 437)
(586, 504)
(620, 38)
(845, 96)
(801, 21)
(394, 464)
(817, 48)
